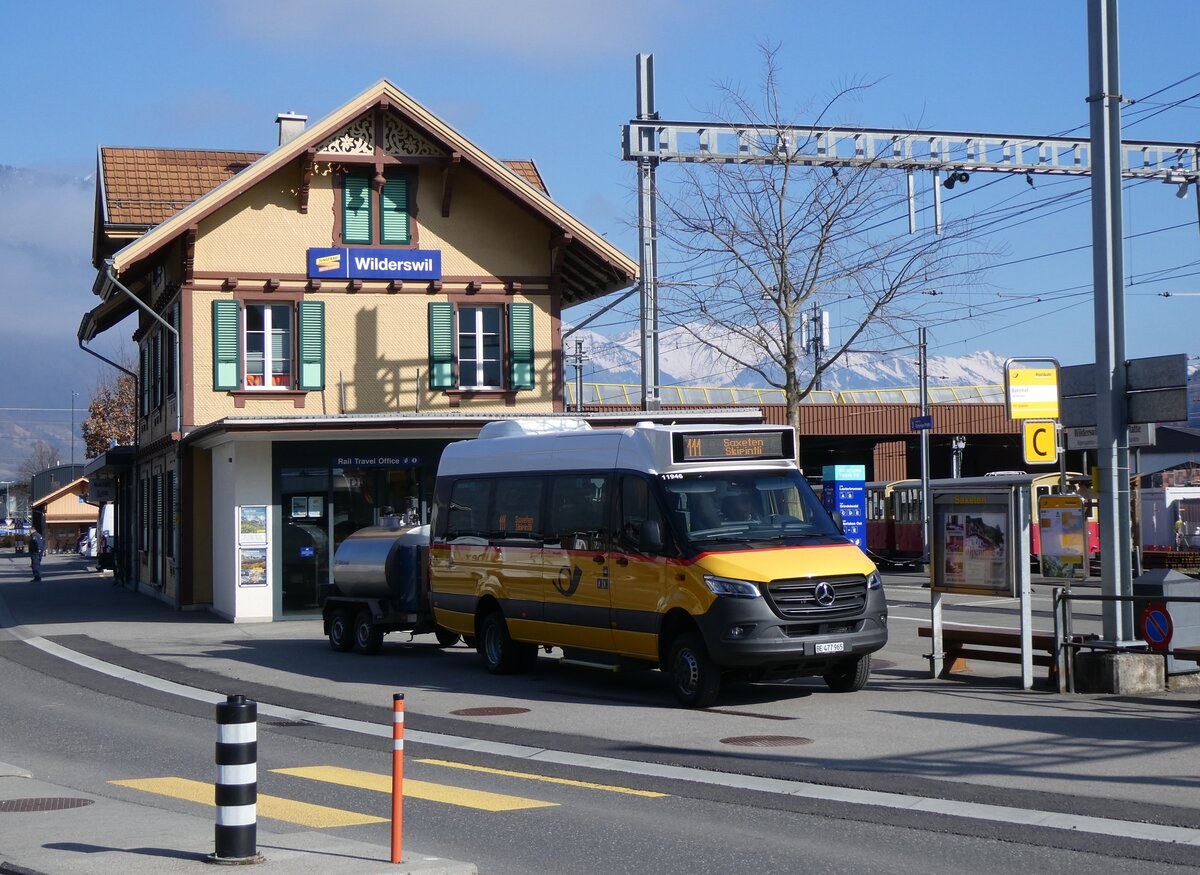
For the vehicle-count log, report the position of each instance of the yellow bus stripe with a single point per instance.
(416, 789)
(608, 788)
(274, 807)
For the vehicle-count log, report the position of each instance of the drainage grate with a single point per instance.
(489, 712)
(766, 740)
(51, 803)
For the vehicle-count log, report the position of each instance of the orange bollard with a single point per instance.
(397, 775)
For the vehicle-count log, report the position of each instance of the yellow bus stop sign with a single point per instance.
(1041, 445)
(1032, 392)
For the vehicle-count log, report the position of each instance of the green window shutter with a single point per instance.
(394, 213)
(227, 345)
(441, 345)
(520, 344)
(311, 337)
(356, 208)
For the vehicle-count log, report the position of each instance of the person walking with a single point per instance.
(1180, 533)
(37, 548)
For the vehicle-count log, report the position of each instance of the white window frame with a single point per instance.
(472, 372)
(268, 330)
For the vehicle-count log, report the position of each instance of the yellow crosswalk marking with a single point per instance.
(274, 807)
(608, 788)
(416, 789)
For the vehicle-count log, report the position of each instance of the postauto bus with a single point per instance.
(699, 550)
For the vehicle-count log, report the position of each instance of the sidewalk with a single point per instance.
(51, 829)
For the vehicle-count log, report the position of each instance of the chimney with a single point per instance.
(291, 126)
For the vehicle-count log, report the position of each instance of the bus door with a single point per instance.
(576, 570)
(638, 568)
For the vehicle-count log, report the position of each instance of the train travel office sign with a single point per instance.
(345, 262)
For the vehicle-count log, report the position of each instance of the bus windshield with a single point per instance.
(740, 506)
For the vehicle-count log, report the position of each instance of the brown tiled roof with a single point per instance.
(147, 186)
(528, 171)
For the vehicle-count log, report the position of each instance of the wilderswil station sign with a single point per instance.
(374, 264)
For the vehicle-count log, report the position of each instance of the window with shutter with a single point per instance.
(356, 208)
(441, 345)
(172, 340)
(227, 342)
(144, 378)
(311, 338)
(394, 211)
(157, 377)
(520, 340)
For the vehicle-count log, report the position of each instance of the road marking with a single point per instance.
(1106, 826)
(460, 796)
(274, 807)
(588, 785)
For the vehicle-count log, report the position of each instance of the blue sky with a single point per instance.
(554, 82)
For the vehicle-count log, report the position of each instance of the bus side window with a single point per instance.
(576, 513)
(638, 506)
(517, 512)
(469, 500)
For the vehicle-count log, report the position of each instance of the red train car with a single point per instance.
(894, 521)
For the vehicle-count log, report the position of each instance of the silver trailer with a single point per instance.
(381, 585)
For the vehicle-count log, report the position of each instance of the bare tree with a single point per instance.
(758, 244)
(41, 457)
(111, 415)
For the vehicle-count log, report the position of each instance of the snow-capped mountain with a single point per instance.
(685, 360)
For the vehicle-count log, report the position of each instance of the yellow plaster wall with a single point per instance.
(263, 230)
(375, 343)
(486, 233)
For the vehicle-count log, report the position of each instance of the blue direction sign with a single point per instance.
(921, 423)
(1156, 626)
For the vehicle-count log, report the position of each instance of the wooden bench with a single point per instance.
(1187, 654)
(960, 643)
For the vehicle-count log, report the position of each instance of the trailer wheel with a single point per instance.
(446, 638)
(502, 655)
(368, 638)
(695, 678)
(341, 636)
(850, 676)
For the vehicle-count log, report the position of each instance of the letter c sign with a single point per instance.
(1041, 445)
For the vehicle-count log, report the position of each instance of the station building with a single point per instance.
(314, 324)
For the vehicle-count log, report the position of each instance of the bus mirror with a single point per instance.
(650, 539)
(836, 516)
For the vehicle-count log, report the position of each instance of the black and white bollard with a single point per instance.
(237, 781)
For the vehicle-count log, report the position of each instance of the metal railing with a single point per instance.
(1068, 643)
(713, 396)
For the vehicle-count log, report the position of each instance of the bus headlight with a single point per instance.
(874, 581)
(727, 586)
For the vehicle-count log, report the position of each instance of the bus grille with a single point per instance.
(797, 598)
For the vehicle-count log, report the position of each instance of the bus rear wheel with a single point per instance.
(502, 655)
(695, 678)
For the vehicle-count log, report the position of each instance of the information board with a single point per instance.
(730, 446)
(973, 542)
(844, 489)
(1062, 534)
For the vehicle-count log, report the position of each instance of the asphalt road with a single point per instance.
(910, 774)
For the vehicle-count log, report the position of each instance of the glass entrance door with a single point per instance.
(304, 556)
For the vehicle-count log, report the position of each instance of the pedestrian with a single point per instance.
(37, 548)
(1180, 531)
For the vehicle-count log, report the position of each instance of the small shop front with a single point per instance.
(326, 490)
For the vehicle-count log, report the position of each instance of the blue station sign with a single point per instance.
(344, 262)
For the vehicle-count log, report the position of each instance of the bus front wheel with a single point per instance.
(695, 678)
(851, 676)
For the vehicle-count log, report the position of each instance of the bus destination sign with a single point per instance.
(733, 446)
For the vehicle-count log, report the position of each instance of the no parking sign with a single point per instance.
(1156, 626)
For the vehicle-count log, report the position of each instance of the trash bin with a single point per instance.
(1161, 585)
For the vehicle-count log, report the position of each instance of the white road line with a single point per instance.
(969, 810)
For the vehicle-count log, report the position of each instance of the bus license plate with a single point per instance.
(831, 647)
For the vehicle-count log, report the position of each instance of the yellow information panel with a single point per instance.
(1041, 445)
(1063, 535)
(1032, 391)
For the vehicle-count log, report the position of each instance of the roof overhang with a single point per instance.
(114, 460)
(458, 426)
